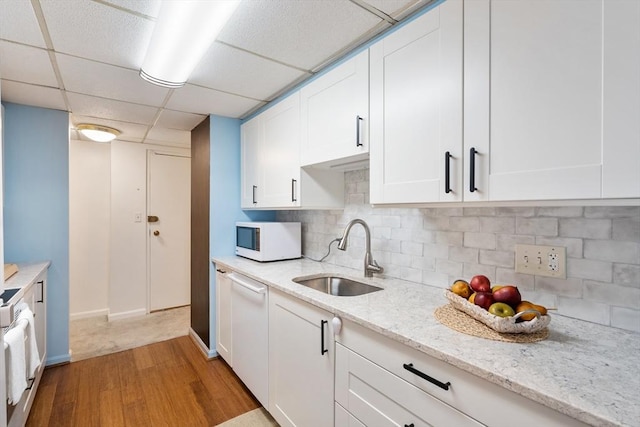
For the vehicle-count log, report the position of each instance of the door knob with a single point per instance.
(156, 233)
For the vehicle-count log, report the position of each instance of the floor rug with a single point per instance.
(256, 418)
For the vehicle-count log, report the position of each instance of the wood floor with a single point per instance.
(164, 384)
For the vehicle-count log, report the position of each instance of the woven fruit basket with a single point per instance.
(507, 325)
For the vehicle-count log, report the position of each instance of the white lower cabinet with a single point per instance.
(301, 363)
(345, 419)
(381, 382)
(223, 316)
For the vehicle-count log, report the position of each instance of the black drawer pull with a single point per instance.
(472, 169)
(41, 283)
(322, 349)
(447, 172)
(409, 425)
(358, 120)
(409, 367)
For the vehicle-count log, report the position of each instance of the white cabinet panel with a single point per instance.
(416, 109)
(301, 361)
(223, 316)
(252, 134)
(540, 75)
(271, 174)
(335, 114)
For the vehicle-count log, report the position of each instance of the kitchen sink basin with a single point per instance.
(336, 285)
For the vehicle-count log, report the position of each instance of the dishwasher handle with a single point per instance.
(247, 283)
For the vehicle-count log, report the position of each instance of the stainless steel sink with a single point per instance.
(336, 285)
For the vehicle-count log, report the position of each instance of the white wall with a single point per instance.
(127, 293)
(108, 249)
(89, 219)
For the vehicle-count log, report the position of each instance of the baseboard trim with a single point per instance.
(89, 314)
(127, 314)
(209, 354)
(58, 360)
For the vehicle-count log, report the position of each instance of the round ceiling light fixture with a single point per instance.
(98, 133)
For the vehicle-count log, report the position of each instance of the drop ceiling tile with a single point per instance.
(145, 7)
(86, 105)
(165, 136)
(15, 58)
(37, 96)
(298, 33)
(18, 22)
(236, 71)
(93, 30)
(178, 120)
(129, 131)
(202, 100)
(397, 8)
(108, 81)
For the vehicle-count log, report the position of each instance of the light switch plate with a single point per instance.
(539, 260)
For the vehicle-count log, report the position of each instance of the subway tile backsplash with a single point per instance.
(435, 246)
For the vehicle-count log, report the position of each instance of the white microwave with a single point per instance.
(268, 241)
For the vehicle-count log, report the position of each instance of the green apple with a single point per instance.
(501, 309)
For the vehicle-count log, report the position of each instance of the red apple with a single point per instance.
(484, 300)
(508, 295)
(480, 283)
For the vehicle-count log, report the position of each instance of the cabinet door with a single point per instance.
(416, 109)
(251, 141)
(301, 364)
(280, 154)
(223, 316)
(40, 315)
(542, 98)
(335, 114)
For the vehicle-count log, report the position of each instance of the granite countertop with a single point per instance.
(26, 274)
(584, 370)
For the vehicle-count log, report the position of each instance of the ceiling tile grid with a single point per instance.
(14, 56)
(268, 47)
(108, 81)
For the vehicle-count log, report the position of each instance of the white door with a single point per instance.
(169, 253)
(416, 109)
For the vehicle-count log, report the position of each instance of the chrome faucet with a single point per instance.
(370, 264)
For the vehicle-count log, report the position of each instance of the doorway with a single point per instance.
(169, 222)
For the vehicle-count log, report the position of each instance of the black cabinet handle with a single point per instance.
(358, 120)
(472, 169)
(409, 367)
(41, 283)
(293, 190)
(447, 172)
(221, 271)
(409, 425)
(322, 349)
(254, 194)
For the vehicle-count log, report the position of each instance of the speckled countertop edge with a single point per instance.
(27, 272)
(584, 370)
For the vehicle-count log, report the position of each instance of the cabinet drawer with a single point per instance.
(467, 393)
(345, 419)
(379, 398)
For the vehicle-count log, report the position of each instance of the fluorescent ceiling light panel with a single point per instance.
(183, 33)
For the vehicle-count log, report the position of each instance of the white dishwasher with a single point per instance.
(250, 326)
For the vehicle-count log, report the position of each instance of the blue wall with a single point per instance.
(36, 207)
(225, 201)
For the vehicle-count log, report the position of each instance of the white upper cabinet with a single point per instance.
(552, 99)
(280, 154)
(271, 174)
(416, 110)
(335, 115)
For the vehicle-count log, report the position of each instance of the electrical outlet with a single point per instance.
(542, 260)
